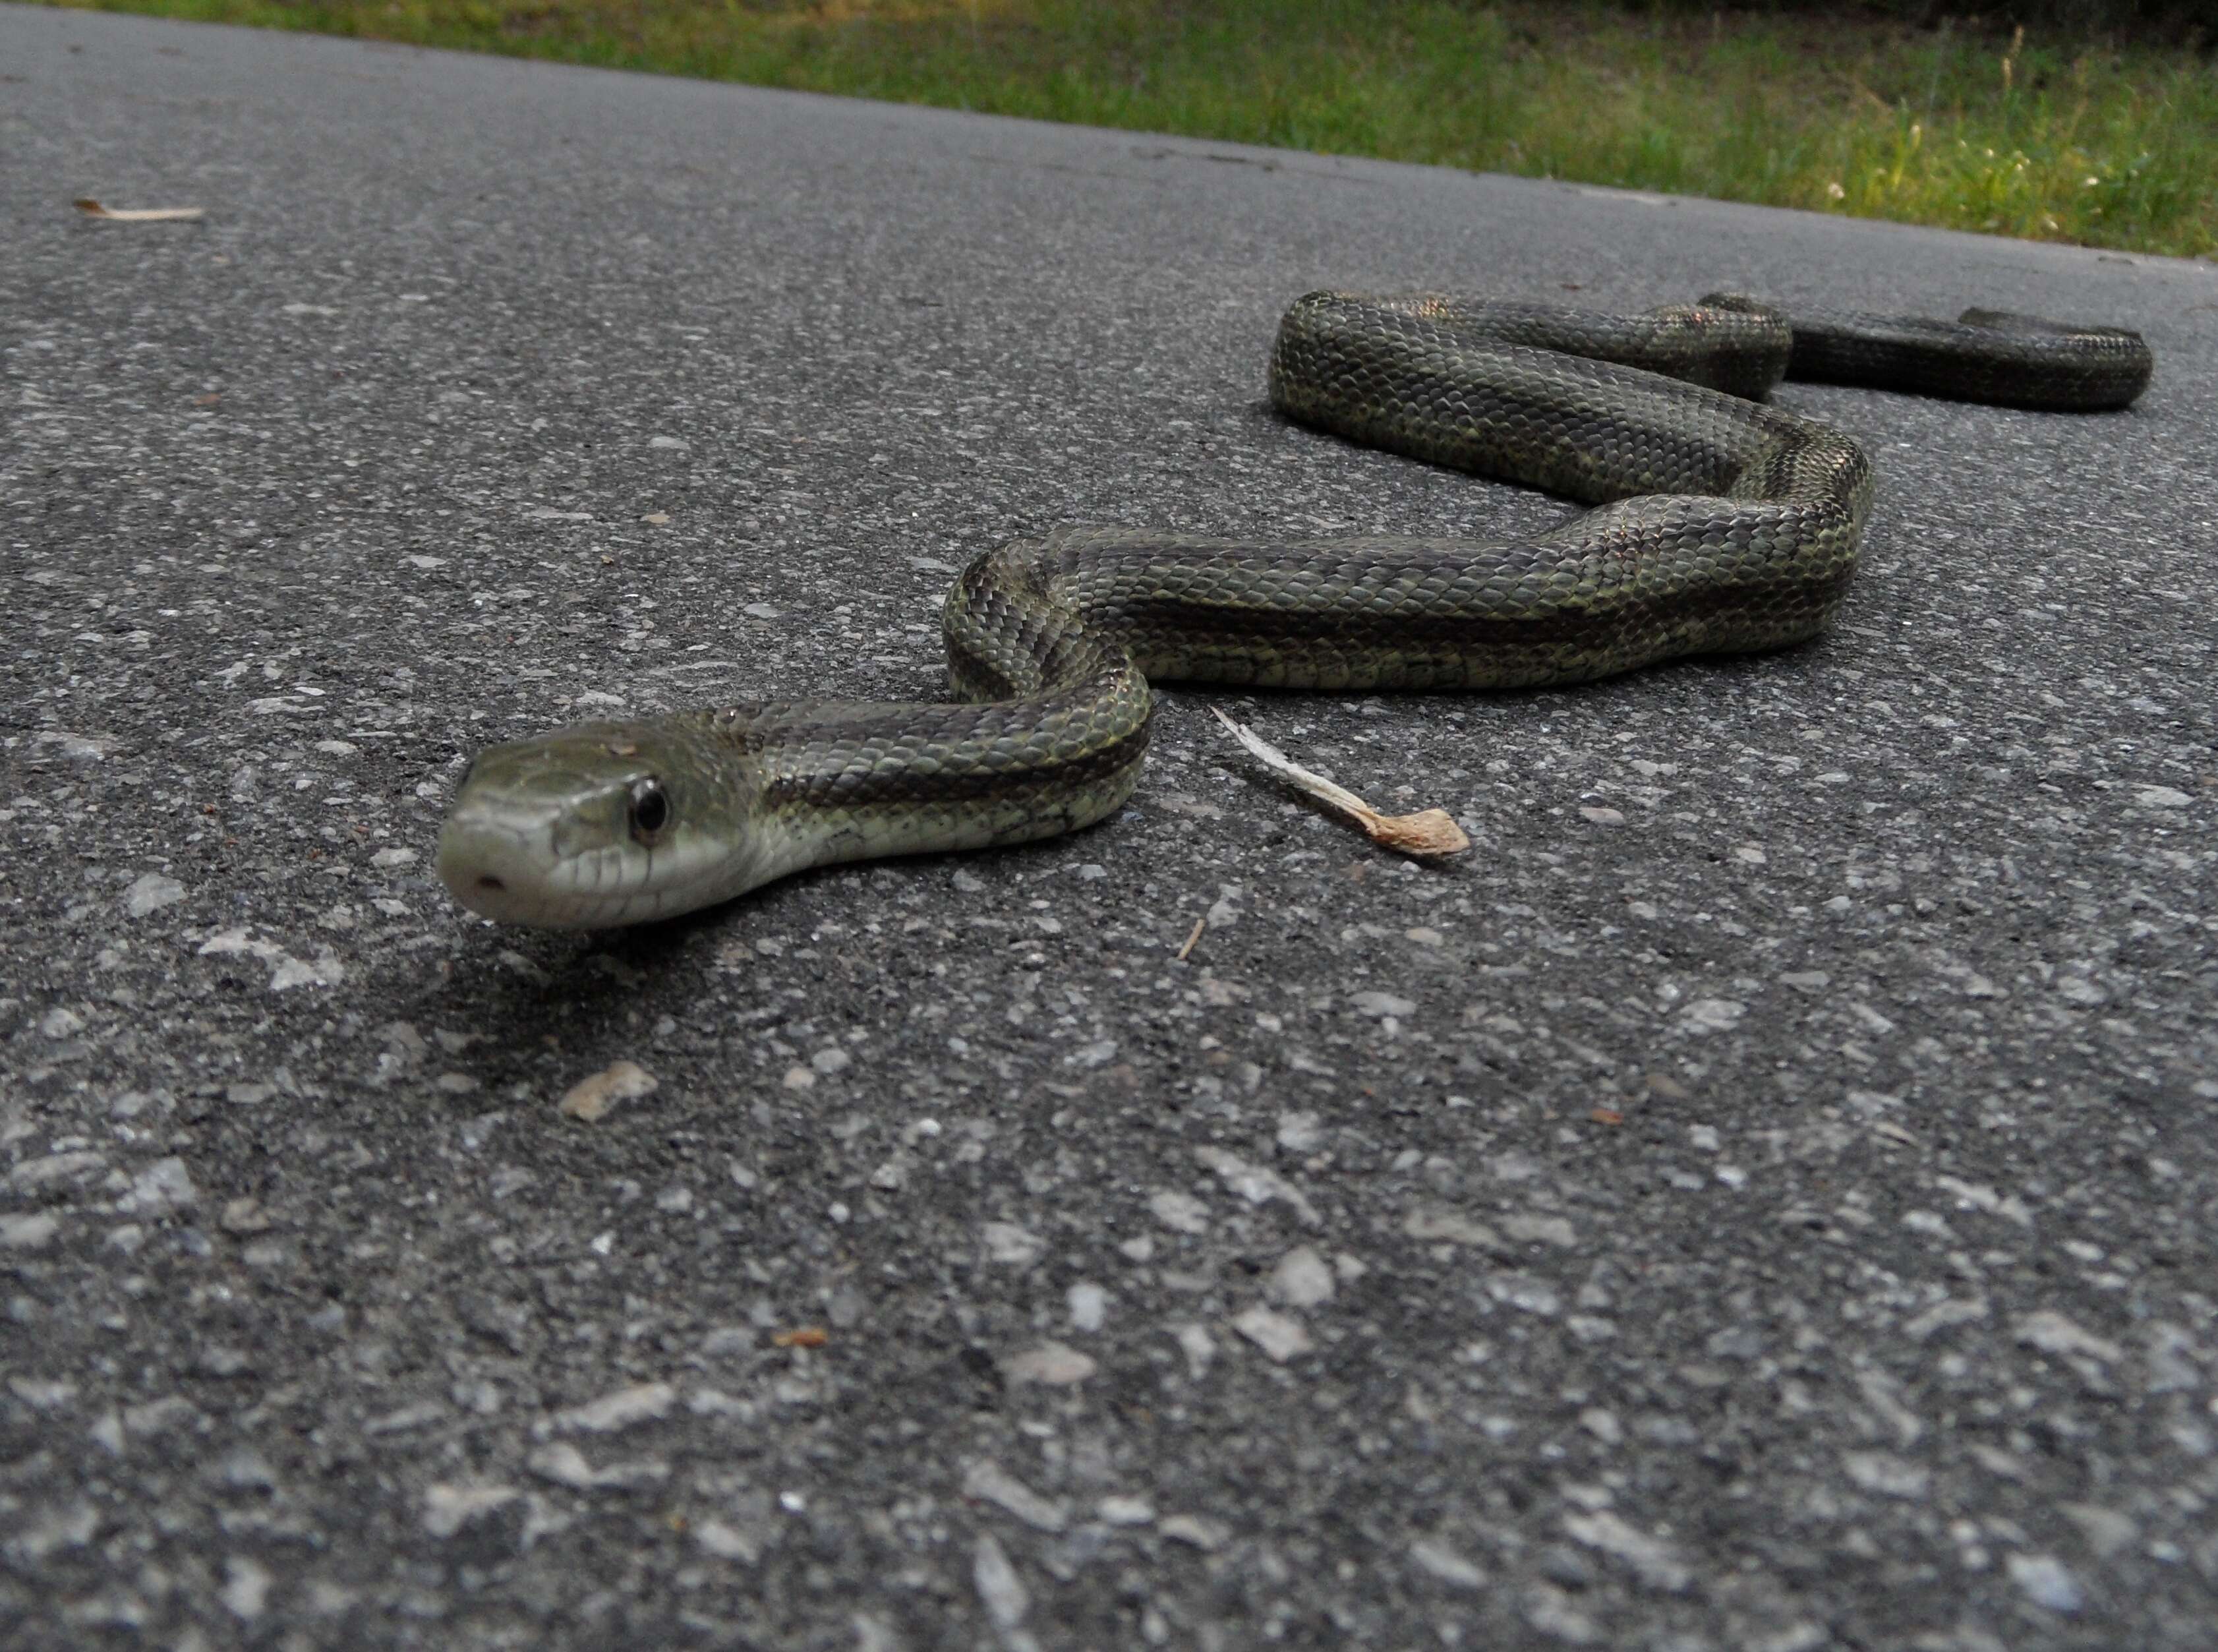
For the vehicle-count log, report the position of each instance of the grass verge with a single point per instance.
(2057, 139)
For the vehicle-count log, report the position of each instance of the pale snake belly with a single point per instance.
(1720, 524)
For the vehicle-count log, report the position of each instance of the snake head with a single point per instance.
(591, 827)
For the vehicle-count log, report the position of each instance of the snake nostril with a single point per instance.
(488, 881)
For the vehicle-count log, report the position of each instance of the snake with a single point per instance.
(1714, 522)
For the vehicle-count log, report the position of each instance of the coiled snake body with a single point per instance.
(1719, 525)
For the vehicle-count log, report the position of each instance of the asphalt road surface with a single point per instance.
(1760, 1199)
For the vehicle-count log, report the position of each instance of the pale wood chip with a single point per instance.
(591, 1098)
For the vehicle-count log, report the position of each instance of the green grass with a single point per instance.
(2053, 138)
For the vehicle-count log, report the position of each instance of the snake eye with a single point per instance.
(650, 810)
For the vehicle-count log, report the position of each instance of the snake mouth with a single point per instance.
(506, 867)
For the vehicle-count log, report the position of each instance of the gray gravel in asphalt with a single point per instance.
(1758, 1199)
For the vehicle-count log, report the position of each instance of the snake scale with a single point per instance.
(1716, 523)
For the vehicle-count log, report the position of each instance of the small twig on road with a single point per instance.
(1429, 834)
(92, 208)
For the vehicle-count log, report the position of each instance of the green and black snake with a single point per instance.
(1719, 524)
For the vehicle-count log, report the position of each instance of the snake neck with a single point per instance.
(1049, 738)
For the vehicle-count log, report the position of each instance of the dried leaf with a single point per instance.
(92, 208)
(1429, 833)
(807, 1336)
